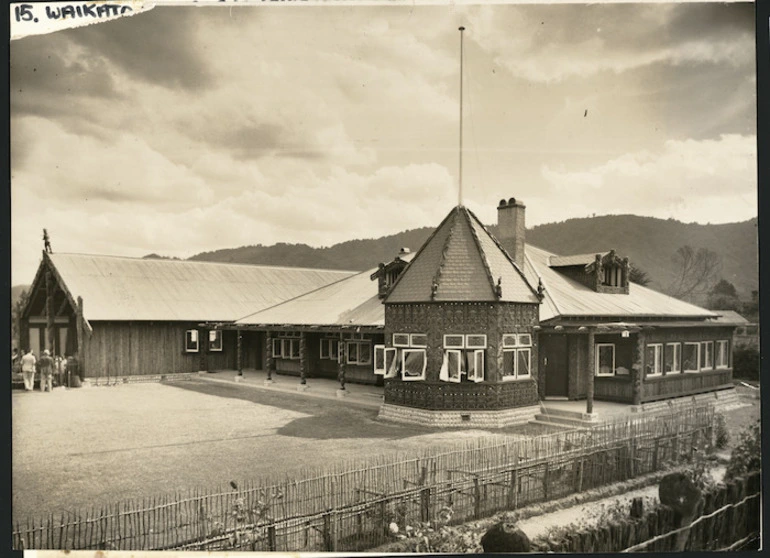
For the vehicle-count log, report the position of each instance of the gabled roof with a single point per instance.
(577, 259)
(120, 288)
(461, 262)
(565, 297)
(349, 301)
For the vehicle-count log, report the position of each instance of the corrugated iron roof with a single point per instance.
(462, 262)
(567, 297)
(729, 317)
(119, 288)
(349, 301)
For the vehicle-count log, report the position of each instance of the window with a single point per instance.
(329, 350)
(723, 354)
(379, 360)
(476, 365)
(690, 354)
(418, 340)
(605, 359)
(277, 348)
(191, 341)
(293, 348)
(706, 355)
(413, 364)
(359, 352)
(475, 341)
(517, 360)
(673, 360)
(392, 363)
(400, 339)
(653, 361)
(454, 341)
(613, 276)
(452, 367)
(215, 340)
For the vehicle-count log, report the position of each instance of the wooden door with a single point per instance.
(553, 361)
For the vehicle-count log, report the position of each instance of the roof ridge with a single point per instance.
(204, 262)
(483, 255)
(505, 252)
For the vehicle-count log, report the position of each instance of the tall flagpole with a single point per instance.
(460, 190)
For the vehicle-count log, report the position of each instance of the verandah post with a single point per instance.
(269, 360)
(637, 370)
(239, 352)
(341, 360)
(302, 358)
(591, 373)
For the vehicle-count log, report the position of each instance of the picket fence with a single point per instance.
(352, 507)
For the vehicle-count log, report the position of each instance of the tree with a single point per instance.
(16, 310)
(639, 276)
(696, 271)
(724, 296)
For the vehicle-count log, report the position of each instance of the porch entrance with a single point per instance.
(553, 360)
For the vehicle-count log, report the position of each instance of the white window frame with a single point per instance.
(404, 353)
(469, 345)
(709, 345)
(722, 348)
(510, 340)
(528, 375)
(401, 343)
(677, 358)
(521, 337)
(379, 350)
(357, 360)
(697, 355)
(510, 377)
(657, 356)
(277, 344)
(218, 336)
(324, 349)
(194, 337)
(456, 353)
(392, 370)
(415, 342)
(597, 350)
(454, 336)
(478, 364)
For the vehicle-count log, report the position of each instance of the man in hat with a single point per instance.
(28, 362)
(46, 371)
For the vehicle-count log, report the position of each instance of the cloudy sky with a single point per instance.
(187, 129)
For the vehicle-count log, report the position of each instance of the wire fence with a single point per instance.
(351, 506)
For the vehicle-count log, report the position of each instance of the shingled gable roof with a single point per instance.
(120, 288)
(464, 262)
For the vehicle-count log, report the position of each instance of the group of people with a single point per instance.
(30, 365)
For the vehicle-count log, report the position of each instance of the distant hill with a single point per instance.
(16, 291)
(648, 242)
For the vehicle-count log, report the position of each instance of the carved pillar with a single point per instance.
(239, 352)
(303, 358)
(342, 353)
(81, 339)
(591, 372)
(269, 360)
(49, 312)
(637, 369)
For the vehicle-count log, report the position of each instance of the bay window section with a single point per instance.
(653, 362)
(517, 356)
(723, 354)
(673, 359)
(414, 362)
(690, 357)
(706, 355)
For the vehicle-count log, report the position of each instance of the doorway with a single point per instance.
(554, 364)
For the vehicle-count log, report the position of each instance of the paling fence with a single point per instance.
(350, 507)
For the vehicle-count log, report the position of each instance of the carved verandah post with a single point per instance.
(269, 360)
(342, 352)
(591, 372)
(638, 369)
(239, 352)
(302, 358)
(81, 338)
(49, 312)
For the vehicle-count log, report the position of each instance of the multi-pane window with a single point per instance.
(407, 356)
(329, 349)
(400, 339)
(673, 358)
(286, 345)
(215, 340)
(653, 362)
(191, 341)
(605, 359)
(379, 360)
(359, 352)
(517, 356)
(723, 354)
(706, 355)
(463, 355)
(690, 357)
(392, 362)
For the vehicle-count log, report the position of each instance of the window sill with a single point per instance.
(516, 378)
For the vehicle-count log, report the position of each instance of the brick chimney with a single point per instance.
(510, 229)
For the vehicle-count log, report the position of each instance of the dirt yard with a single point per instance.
(73, 449)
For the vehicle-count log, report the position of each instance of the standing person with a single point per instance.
(46, 371)
(28, 362)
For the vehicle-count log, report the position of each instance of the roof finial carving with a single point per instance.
(47, 242)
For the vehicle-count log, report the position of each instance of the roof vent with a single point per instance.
(405, 250)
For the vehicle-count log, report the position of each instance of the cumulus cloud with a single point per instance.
(708, 180)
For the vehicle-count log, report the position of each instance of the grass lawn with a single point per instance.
(73, 449)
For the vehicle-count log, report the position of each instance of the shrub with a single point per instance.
(747, 454)
(746, 363)
(721, 434)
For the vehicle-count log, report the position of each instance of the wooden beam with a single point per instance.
(239, 354)
(591, 372)
(63, 305)
(302, 358)
(269, 360)
(50, 288)
(81, 338)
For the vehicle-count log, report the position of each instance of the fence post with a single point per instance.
(655, 454)
(513, 493)
(632, 458)
(327, 533)
(476, 499)
(425, 504)
(271, 537)
(546, 479)
(581, 467)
